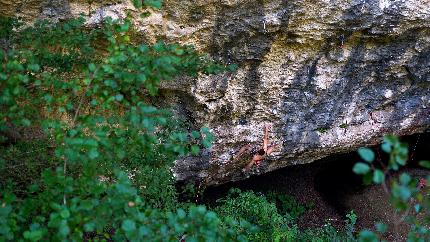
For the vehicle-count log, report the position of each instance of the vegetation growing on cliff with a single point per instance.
(84, 156)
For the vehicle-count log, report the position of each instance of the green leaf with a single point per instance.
(366, 154)
(121, 154)
(89, 227)
(394, 166)
(87, 81)
(367, 236)
(417, 208)
(143, 230)
(378, 176)
(404, 193)
(403, 150)
(195, 150)
(386, 147)
(33, 67)
(391, 139)
(93, 154)
(33, 235)
(141, 78)
(124, 27)
(119, 97)
(92, 67)
(206, 143)
(205, 130)
(181, 213)
(64, 229)
(3, 76)
(195, 134)
(65, 213)
(137, 3)
(361, 168)
(381, 228)
(425, 164)
(401, 160)
(405, 179)
(48, 98)
(232, 67)
(153, 3)
(26, 122)
(128, 225)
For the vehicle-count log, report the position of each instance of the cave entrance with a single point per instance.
(330, 187)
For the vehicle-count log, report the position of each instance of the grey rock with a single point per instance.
(329, 75)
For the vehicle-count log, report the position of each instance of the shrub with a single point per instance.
(102, 169)
(409, 196)
(255, 209)
(273, 224)
(287, 205)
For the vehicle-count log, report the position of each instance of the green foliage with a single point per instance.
(330, 233)
(322, 130)
(378, 176)
(23, 164)
(150, 3)
(366, 154)
(425, 164)
(344, 125)
(409, 196)
(273, 220)
(361, 168)
(153, 3)
(8, 24)
(367, 236)
(350, 224)
(287, 205)
(256, 210)
(115, 206)
(102, 168)
(59, 47)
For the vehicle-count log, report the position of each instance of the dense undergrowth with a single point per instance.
(84, 156)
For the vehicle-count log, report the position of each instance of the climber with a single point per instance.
(254, 154)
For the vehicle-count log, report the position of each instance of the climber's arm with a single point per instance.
(243, 150)
(249, 165)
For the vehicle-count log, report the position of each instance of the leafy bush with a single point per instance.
(409, 196)
(287, 205)
(256, 210)
(101, 169)
(275, 225)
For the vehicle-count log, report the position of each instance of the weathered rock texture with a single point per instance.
(329, 75)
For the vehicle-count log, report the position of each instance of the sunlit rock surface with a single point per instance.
(329, 75)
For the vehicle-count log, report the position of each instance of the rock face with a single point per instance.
(328, 75)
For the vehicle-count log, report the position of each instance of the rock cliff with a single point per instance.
(328, 75)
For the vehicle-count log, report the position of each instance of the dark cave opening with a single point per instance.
(330, 186)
